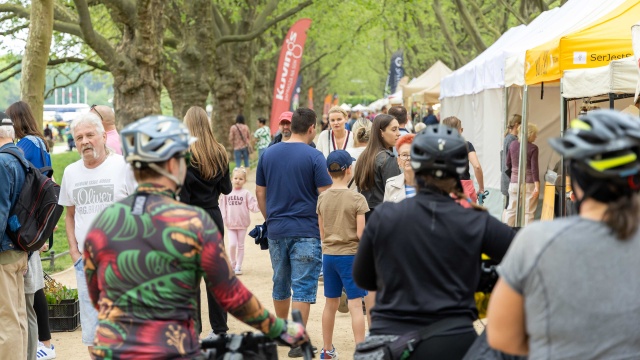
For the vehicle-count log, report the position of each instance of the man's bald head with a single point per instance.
(107, 116)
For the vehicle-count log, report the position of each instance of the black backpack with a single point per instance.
(34, 216)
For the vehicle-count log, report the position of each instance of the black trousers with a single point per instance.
(217, 315)
(42, 313)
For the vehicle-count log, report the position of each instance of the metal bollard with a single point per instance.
(52, 259)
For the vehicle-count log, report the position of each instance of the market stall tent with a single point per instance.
(596, 45)
(427, 84)
(635, 40)
(619, 77)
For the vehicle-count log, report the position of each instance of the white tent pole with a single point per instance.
(522, 168)
(504, 129)
(562, 199)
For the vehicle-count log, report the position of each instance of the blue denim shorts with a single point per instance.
(296, 264)
(88, 314)
(337, 271)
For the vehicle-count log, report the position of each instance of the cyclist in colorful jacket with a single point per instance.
(146, 254)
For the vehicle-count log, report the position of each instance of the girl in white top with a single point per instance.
(337, 137)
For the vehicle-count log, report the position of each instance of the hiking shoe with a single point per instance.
(45, 353)
(333, 354)
(238, 272)
(296, 352)
(344, 306)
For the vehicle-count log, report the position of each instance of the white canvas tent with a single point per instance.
(635, 39)
(619, 77)
(485, 92)
(427, 84)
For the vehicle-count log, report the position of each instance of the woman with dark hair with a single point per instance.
(377, 163)
(262, 136)
(239, 138)
(207, 178)
(36, 150)
(568, 288)
(422, 255)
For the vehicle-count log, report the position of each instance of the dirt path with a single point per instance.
(256, 276)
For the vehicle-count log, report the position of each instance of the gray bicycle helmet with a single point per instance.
(440, 151)
(604, 144)
(154, 138)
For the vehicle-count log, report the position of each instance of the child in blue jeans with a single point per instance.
(341, 221)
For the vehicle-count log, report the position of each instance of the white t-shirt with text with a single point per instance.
(92, 190)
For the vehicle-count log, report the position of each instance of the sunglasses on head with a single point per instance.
(93, 108)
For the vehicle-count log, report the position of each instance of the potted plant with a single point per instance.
(64, 309)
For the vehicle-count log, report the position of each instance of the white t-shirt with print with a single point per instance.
(92, 190)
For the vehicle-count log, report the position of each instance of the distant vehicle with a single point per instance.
(66, 112)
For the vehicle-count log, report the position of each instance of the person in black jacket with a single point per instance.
(207, 178)
(377, 163)
(429, 250)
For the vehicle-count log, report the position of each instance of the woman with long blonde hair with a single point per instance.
(207, 178)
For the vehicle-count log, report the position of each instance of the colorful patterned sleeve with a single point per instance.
(230, 293)
(89, 265)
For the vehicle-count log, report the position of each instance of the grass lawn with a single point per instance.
(60, 244)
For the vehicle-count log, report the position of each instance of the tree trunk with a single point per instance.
(186, 74)
(469, 24)
(458, 59)
(36, 56)
(137, 82)
(229, 87)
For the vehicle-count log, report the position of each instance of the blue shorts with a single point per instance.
(296, 264)
(338, 274)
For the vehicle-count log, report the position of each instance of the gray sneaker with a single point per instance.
(296, 352)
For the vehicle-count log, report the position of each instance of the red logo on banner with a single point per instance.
(288, 67)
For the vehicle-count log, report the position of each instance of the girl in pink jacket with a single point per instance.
(235, 213)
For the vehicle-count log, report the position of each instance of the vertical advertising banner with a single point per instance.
(396, 72)
(288, 67)
(310, 98)
(327, 104)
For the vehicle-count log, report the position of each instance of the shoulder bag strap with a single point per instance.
(241, 136)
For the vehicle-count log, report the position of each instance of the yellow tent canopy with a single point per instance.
(607, 39)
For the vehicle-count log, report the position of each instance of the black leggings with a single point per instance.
(451, 347)
(42, 313)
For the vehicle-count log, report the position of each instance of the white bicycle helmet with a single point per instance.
(154, 138)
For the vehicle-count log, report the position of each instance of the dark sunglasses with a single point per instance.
(93, 108)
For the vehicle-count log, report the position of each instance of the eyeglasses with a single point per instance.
(186, 156)
(93, 108)
(404, 157)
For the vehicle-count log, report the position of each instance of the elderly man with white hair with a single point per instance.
(13, 262)
(89, 185)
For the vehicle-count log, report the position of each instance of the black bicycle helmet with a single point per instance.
(603, 144)
(440, 151)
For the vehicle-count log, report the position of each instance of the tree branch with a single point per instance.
(124, 10)
(269, 9)
(93, 64)
(14, 30)
(96, 42)
(470, 26)
(254, 34)
(458, 60)
(16, 62)
(514, 12)
(483, 20)
(221, 24)
(10, 75)
(55, 87)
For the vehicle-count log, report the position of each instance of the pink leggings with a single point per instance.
(236, 247)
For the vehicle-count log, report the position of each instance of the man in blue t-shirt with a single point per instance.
(289, 178)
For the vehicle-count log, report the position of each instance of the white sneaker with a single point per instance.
(238, 272)
(211, 336)
(45, 353)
